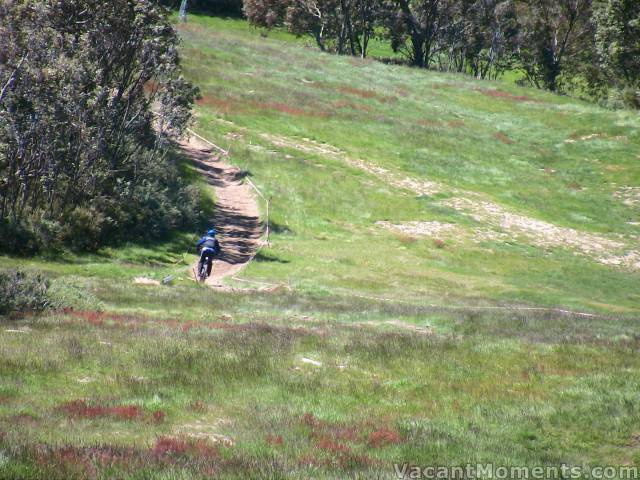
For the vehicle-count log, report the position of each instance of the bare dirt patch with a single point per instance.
(417, 186)
(437, 231)
(303, 144)
(500, 224)
(547, 235)
(429, 229)
(574, 138)
(630, 196)
(204, 430)
(503, 138)
(146, 281)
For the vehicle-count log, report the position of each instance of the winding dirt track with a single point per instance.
(237, 217)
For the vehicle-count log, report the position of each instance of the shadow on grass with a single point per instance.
(262, 257)
(278, 228)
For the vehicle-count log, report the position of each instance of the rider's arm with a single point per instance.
(202, 240)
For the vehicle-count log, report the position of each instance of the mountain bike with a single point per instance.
(203, 265)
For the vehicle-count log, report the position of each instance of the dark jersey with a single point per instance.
(210, 243)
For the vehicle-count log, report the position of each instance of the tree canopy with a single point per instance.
(91, 99)
(553, 42)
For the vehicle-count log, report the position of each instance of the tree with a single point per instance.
(554, 36)
(479, 37)
(319, 18)
(415, 27)
(618, 45)
(231, 8)
(493, 37)
(266, 13)
(340, 26)
(79, 143)
(368, 16)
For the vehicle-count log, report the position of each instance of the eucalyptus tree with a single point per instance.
(617, 40)
(415, 28)
(555, 35)
(80, 145)
(338, 26)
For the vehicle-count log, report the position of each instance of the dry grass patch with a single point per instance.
(505, 95)
(503, 138)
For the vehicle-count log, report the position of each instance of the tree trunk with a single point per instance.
(417, 44)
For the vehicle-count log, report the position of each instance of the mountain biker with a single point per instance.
(209, 247)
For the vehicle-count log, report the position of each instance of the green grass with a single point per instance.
(525, 390)
(377, 347)
(421, 125)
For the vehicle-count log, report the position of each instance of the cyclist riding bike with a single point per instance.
(209, 247)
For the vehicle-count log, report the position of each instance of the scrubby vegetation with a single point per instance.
(26, 291)
(230, 8)
(283, 385)
(20, 292)
(84, 159)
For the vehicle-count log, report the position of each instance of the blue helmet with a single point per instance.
(212, 232)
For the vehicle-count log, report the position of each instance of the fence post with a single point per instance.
(183, 11)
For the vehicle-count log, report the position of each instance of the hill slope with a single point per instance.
(403, 183)
(385, 182)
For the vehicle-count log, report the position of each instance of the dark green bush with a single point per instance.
(146, 211)
(631, 97)
(21, 292)
(18, 237)
(84, 159)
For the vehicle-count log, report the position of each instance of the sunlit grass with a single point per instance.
(525, 402)
(374, 347)
(517, 147)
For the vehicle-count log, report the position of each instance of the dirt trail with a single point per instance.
(236, 218)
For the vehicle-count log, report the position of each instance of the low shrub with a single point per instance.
(87, 153)
(628, 97)
(73, 292)
(17, 237)
(20, 292)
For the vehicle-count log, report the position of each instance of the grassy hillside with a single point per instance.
(392, 190)
(538, 194)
